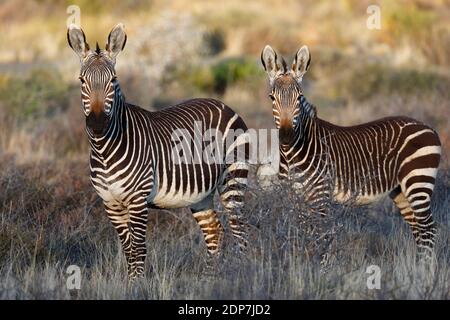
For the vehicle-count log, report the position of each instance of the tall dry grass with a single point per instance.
(51, 219)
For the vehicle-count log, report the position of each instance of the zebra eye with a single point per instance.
(113, 78)
(82, 79)
(272, 97)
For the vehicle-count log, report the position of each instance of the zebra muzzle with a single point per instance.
(97, 122)
(286, 134)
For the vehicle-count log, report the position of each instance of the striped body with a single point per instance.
(398, 156)
(141, 158)
(364, 162)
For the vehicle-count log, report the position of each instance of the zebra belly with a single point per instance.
(358, 199)
(178, 199)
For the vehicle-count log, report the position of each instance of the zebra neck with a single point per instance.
(292, 156)
(116, 127)
(305, 123)
(307, 110)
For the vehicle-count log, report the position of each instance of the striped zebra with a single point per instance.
(132, 163)
(398, 156)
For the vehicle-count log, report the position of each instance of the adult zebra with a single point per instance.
(132, 159)
(395, 155)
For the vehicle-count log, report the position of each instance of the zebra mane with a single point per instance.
(97, 48)
(309, 108)
(284, 68)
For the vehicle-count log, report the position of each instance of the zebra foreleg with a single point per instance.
(119, 218)
(315, 222)
(138, 212)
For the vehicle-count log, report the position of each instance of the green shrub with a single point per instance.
(218, 77)
(214, 41)
(40, 93)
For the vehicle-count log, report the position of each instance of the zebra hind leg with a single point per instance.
(405, 210)
(212, 230)
(425, 225)
(232, 193)
(416, 212)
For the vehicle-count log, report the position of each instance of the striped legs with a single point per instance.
(119, 218)
(232, 193)
(317, 196)
(405, 210)
(138, 211)
(131, 226)
(415, 209)
(424, 223)
(212, 229)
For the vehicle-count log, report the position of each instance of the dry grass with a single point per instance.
(51, 219)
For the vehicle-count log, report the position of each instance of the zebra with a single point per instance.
(132, 163)
(395, 156)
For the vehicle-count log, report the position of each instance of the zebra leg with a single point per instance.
(138, 211)
(209, 223)
(318, 199)
(232, 193)
(316, 226)
(417, 176)
(119, 218)
(212, 229)
(405, 210)
(415, 209)
(420, 204)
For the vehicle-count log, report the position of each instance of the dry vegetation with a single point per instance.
(50, 216)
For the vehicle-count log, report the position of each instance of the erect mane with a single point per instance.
(284, 66)
(97, 49)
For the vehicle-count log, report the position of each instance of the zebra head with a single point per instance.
(286, 90)
(98, 76)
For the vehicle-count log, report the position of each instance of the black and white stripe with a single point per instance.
(132, 161)
(398, 156)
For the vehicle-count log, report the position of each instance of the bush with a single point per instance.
(40, 93)
(218, 77)
(214, 41)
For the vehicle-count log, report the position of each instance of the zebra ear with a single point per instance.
(77, 40)
(301, 63)
(270, 62)
(116, 40)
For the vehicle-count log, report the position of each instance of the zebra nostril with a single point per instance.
(97, 122)
(286, 134)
